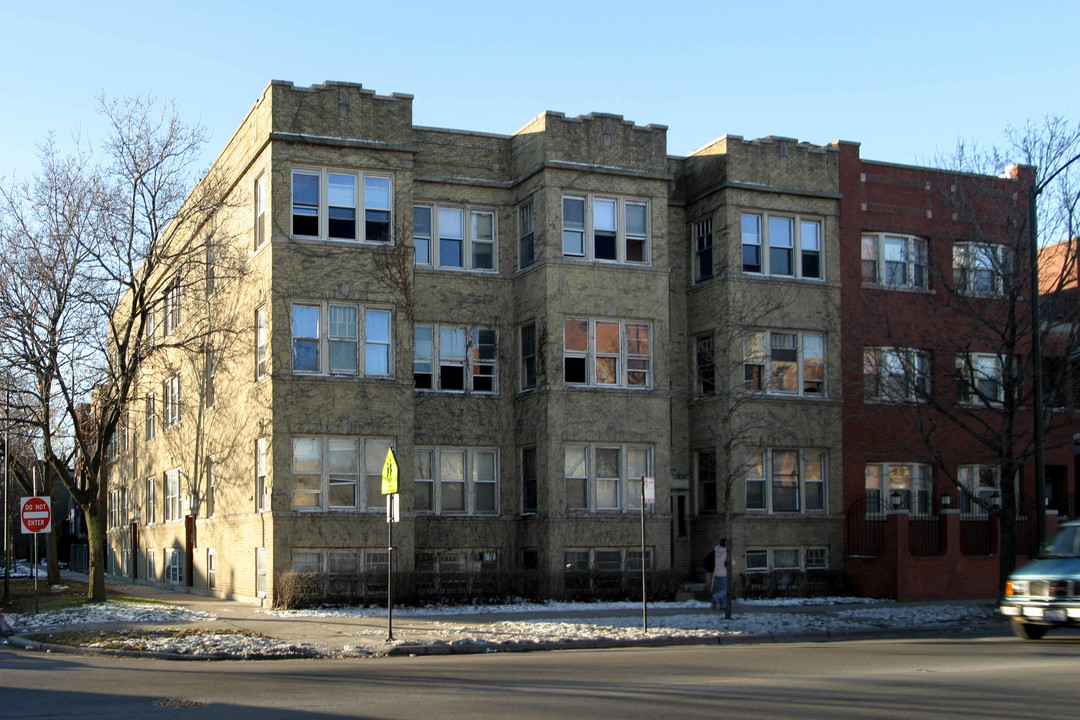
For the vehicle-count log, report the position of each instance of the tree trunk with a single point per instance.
(53, 562)
(95, 536)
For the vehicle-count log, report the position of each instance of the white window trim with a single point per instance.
(1002, 260)
(261, 356)
(170, 402)
(916, 374)
(916, 261)
(261, 468)
(797, 252)
(367, 474)
(919, 496)
(362, 340)
(470, 481)
(468, 238)
(360, 206)
(151, 501)
(174, 566)
(973, 482)
(151, 411)
(703, 245)
(768, 481)
(171, 305)
(174, 480)
(470, 362)
(260, 211)
(260, 572)
(969, 374)
(622, 358)
(629, 488)
(622, 236)
(765, 361)
(770, 562)
(526, 214)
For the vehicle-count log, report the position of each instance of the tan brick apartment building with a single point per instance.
(532, 322)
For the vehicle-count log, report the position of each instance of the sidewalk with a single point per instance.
(348, 633)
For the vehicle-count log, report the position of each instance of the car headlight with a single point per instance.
(1016, 587)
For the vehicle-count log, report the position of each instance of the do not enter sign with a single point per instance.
(36, 514)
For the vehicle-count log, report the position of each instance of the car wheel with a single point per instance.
(1027, 631)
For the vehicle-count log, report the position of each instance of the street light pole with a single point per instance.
(1036, 352)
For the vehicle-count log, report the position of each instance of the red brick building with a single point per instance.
(936, 366)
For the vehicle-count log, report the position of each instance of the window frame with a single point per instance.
(765, 356)
(705, 366)
(701, 237)
(970, 376)
(883, 478)
(261, 466)
(469, 481)
(591, 479)
(916, 251)
(366, 214)
(172, 492)
(526, 213)
(620, 236)
(259, 203)
(467, 238)
(371, 453)
(762, 475)
(151, 500)
(529, 365)
(365, 342)
(174, 566)
(596, 356)
(916, 374)
(798, 253)
(471, 362)
(529, 480)
(261, 355)
(151, 416)
(1000, 265)
(170, 402)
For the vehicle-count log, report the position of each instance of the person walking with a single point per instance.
(720, 596)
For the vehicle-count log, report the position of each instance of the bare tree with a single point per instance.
(89, 255)
(977, 402)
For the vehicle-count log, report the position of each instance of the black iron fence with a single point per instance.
(864, 526)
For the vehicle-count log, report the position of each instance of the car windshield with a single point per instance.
(1064, 543)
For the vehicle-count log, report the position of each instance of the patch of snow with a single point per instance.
(106, 612)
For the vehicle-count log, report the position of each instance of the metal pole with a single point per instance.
(644, 594)
(389, 568)
(7, 529)
(1036, 371)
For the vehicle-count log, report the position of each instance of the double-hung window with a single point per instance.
(151, 500)
(983, 268)
(896, 374)
(604, 477)
(171, 313)
(528, 480)
(260, 211)
(894, 260)
(172, 495)
(609, 229)
(456, 481)
(260, 474)
(781, 362)
(170, 401)
(528, 356)
(526, 235)
(606, 353)
(340, 339)
(703, 250)
(326, 204)
(260, 343)
(454, 237)
(704, 366)
(786, 481)
(982, 481)
(980, 379)
(898, 486)
(453, 358)
(150, 416)
(782, 245)
(706, 483)
(338, 473)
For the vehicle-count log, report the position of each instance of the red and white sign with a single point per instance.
(36, 514)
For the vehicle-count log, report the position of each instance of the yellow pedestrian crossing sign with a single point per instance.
(390, 474)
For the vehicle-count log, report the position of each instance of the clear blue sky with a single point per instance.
(906, 79)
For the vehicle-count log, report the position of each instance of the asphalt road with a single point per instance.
(991, 676)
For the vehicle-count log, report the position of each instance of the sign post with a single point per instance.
(390, 490)
(648, 495)
(35, 516)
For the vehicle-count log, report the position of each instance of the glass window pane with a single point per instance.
(607, 462)
(377, 193)
(306, 188)
(575, 461)
(576, 335)
(483, 226)
(450, 223)
(483, 468)
(307, 455)
(377, 325)
(604, 214)
(341, 190)
(343, 456)
(305, 321)
(751, 230)
(607, 337)
(452, 343)
(809, 235)
(451, 465)
(574, 213)
(422, 220)
(636, 218)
